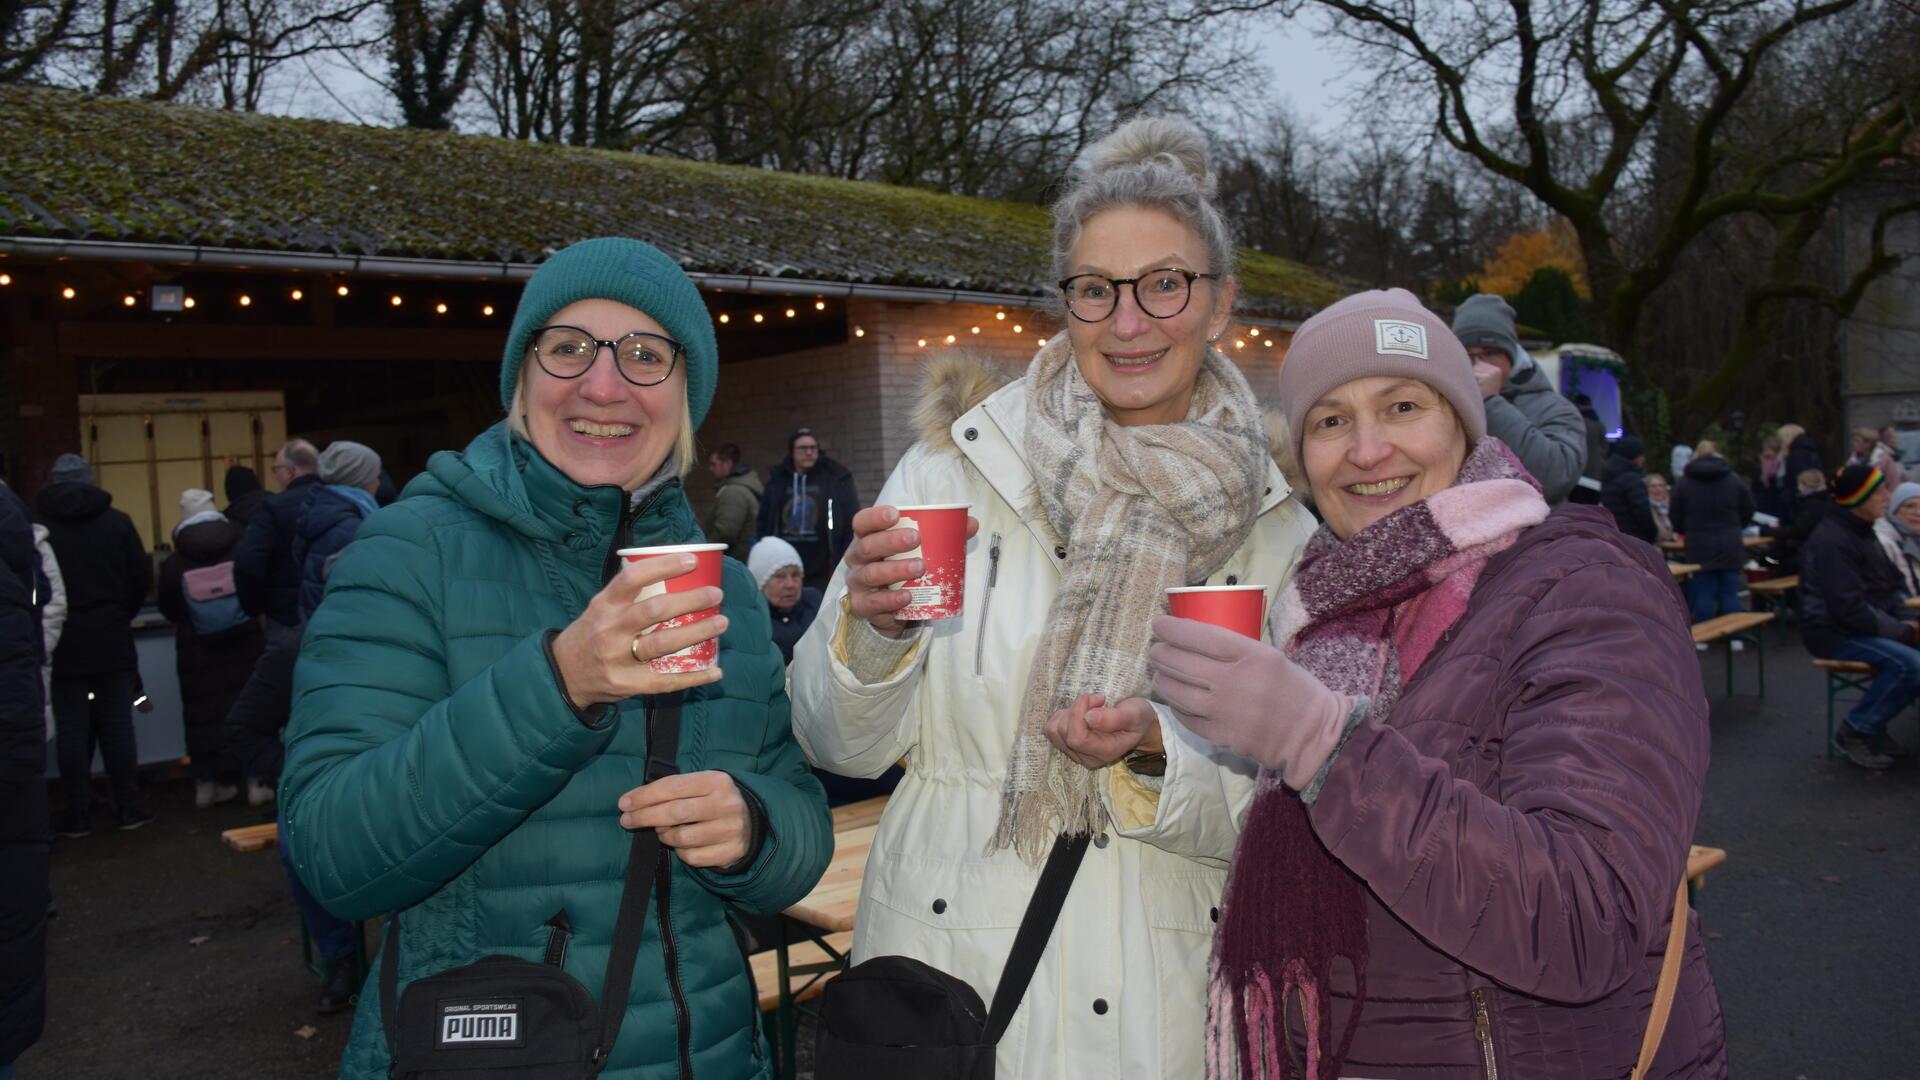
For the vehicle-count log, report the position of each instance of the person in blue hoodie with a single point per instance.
(349, 475)
(809, 502)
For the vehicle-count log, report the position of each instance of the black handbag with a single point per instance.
(895, 1016)
(504, 1018)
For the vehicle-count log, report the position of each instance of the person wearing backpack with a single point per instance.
(216, 643)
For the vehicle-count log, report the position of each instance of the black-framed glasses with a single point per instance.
(1161, 293)
(643, 359)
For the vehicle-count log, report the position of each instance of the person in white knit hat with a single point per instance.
(777, 569)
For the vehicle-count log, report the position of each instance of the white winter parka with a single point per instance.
(1121, 989)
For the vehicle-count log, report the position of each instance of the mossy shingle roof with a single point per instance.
(84, 167)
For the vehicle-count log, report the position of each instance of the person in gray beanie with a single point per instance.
(1523, 409)
(350, 473)
(70, 469)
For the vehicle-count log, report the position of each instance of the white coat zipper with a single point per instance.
(986, 602)
(1483, 1033)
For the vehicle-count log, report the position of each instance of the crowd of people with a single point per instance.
(1430, 820)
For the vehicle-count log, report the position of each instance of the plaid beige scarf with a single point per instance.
(1142, 509)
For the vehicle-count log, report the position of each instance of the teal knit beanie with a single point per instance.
(633, 273)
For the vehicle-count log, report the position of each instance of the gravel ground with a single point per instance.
(1810, 925)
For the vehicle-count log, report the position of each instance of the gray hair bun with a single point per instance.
(1158, 140)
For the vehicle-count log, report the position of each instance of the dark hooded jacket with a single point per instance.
(107, 572)
(1711, 506)
(23, 789)
(212, 668)
(1803, 454)
(1847, 586)
(830, 497)
(790, 624)
(263, 566)
(327, 526)
(1521, 821)
(1623, 491)
(1808, 512)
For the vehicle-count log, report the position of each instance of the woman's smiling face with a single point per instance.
(1142, 368)
(1374, 445)
(599, 428)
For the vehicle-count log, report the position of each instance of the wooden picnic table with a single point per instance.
(1913, 602)
(1683, 570)
(1675, 547)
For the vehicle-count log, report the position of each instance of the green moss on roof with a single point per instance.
(119, 169)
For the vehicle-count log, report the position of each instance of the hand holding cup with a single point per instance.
(873, 572)
(605, 655)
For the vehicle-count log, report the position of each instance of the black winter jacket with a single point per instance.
(264, 568)
(1711, 505)
(23, 789)
(1803, 454)
(107, 572)
(214, 668)
(1847, 586)
(260, 712)
(831, 500)
(1623, 490)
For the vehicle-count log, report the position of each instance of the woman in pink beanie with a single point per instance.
(1480, 790)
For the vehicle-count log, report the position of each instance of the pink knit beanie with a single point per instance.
(1382, 332)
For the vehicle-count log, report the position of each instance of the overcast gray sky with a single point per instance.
(1302, 70)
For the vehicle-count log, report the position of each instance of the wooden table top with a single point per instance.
(1676, 546)
(831, 904)
(1913, 602)
(1683, 569)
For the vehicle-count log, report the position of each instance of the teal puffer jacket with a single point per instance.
(434, 766)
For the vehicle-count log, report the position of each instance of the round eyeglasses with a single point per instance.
(1161, 293)
(643, 359)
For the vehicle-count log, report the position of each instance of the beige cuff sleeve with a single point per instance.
(872, 656)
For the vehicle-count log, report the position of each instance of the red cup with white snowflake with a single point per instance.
(937, 594)
(706, 571)
(1240, 608)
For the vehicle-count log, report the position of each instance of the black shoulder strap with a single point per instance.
(643, 859)
(663, 752)
(1036, 927)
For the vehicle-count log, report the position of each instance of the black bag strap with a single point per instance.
(1036, 927)
(643, 860)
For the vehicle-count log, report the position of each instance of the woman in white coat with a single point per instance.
(1128, 459)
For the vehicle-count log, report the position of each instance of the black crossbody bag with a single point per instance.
(895, 1016)
(504, 1018)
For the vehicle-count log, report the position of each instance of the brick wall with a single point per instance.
(859, 396)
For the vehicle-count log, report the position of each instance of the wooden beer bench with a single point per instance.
(1733, 627)
(251, 838)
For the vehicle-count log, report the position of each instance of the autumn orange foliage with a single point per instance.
(1523, 253)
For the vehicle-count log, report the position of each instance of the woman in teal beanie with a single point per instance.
(469, 737)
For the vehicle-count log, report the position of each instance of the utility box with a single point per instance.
(147, 448)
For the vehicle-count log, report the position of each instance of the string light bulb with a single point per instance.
(187, 303)
(975, 329)
(923, 343)
(66, 293)
(394, 300)
(951, 339)
(1268, 342)
(1253, 331)
(725, 318)
(819, 305)
(439, 309)
(245, 300)
(341, 291)
(6, 279)
(859, 331)
(1000, 315)
(297, 294)
(791, 313)
(1018, 329)
(1239, 343)
(1043, 341)
(487, 310)
(759, 318)
(129, 300)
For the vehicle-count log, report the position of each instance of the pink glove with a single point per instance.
(1247, 696)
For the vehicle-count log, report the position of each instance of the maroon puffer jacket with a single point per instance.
(1521, 822)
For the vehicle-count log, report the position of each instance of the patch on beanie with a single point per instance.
(1397, 336)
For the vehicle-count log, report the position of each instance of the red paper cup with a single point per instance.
(706, 571)
(1240, 608)
(937, 594)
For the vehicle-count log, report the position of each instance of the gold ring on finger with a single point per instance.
(635, 649)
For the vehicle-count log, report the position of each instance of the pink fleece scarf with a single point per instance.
(1362, 615)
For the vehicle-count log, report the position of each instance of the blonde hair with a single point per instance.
(683, 449)
(1789, 432)
(1158, 162)
(1706, 448)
